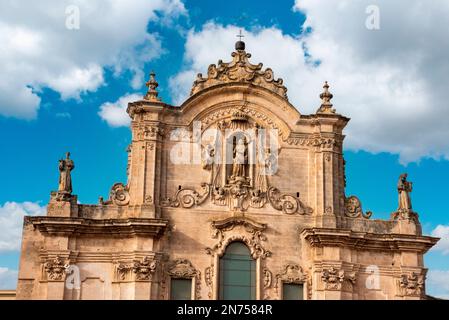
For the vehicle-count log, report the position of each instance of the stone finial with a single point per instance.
(326, 96)
(152, 84)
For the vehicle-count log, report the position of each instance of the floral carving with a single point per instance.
(333, 278)
(56, 269)
(239, 70)
(412, 284)
(353, 208)
(145, 269)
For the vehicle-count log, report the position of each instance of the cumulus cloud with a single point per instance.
(114, 113)
(38, 51)
(11, 222)
(442, 232)
(438, 283)
(392, 82)
(8, 279)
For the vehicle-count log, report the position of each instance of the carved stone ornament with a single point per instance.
(187, 198)
(291, 273)
(239, 197)
(208, 278)
(239, 70)
(145, 269)
(183, 269)
(411, 284)
(253, 238)
(123, 270)
(267, 278)
(118, 196)
(321, 143)
(353, 208)
(56, 269)
(333, 278)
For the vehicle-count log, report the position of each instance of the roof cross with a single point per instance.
(240, 35)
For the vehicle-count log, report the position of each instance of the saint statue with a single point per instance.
(65, 179)
(240, 159)
(404, 189)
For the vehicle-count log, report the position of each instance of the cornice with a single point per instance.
(104, 227)
(322, 237)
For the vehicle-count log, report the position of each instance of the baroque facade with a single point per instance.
(233, 194)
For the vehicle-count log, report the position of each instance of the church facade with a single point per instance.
(233, 195)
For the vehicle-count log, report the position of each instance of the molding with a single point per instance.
(319, 237)
(60, 226)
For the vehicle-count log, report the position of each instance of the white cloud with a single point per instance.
(438, 283)
(38, 50)
(441, 231)
(114, 113)
(11, 222)
(392, 82)
(8, 279)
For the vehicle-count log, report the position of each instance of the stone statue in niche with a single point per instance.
(65, 179)
(240, 159)
(404, 189)
(239, 162)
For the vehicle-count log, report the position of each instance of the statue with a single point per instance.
(65, 178)
(240, 160)
(404, 211)
(404, 189)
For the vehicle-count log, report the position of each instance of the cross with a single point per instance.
(240, 35)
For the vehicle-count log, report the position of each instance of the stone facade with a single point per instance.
(188, 196)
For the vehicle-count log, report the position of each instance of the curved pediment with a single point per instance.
(239, 70)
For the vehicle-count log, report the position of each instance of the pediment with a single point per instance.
(239, 70)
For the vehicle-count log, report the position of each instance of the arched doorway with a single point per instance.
(237, 273)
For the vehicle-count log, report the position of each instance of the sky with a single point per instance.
(69, 68)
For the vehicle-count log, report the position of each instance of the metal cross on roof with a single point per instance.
(240, 35)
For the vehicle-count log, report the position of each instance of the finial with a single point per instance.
(326, 96)
(240, 45)
(152, 94)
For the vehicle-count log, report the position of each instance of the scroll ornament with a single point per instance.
(119, 195)
(353, 208)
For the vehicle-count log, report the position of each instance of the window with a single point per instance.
(181, 289)
(237, 273)
(291, 291)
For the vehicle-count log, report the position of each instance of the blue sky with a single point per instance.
(388, 81)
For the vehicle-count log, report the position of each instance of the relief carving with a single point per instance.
(56, 269)
(333, 278)
(267, 278)
(353, 208)
(119, 195)
(208, 277)
(145, 269)
(291, 273)
(254, 237)
(239, 70)
(411, 284)
(183, 268)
